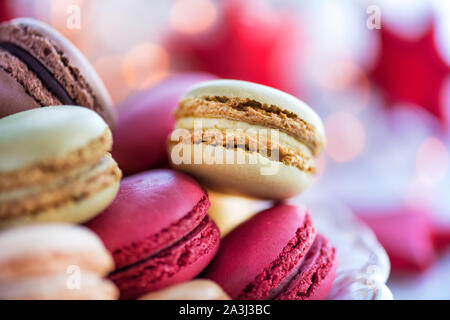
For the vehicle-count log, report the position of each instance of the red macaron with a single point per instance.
(146, 120)
(157, 231)
(275, 255)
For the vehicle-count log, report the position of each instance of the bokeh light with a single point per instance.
(112, 76)
(432, 161)
(144, 65)
(192, 16)
(346, 136)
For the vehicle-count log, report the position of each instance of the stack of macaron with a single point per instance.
(275, 254)
(151, 233)
(56, 170)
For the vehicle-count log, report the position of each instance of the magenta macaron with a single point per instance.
(275, 255)
(157, 231)
(146, 120)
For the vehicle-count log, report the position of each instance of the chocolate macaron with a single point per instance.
(40, 67)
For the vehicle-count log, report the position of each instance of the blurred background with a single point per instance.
(378, 73)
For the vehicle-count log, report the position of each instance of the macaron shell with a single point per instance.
(316, 275)
(50, 249)
(72, 212)
(257, 176)
(76, 60)
(146, 204)
(58, 287)
(14, 97)
(250, 248)
(181, 262)
(40, 134)
(228, 212)
(197, 289)
(260, 93)
(145, 121)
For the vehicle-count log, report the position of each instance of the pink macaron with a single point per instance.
(157, 231)
(146, 120)
(275, 255)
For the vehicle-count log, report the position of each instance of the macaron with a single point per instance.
(54, 261)
(146, 119)
(40, 67)
(55, 166)
(157, 231)
(229, 211)
(197, 289)
(276, 255)
(245, 138)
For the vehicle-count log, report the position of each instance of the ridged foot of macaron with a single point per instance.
(55, 166)
(275, 255)
(157, 231)
(244, 138)
(54, 261)
(39, 67)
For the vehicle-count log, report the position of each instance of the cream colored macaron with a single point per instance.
(229, 211)
(197, 289)
(245, 138)
(54, 261)
(55, 166)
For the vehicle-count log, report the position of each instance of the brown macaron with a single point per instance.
(40, 67)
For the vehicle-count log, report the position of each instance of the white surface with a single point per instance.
(433, 284)
(363, 265)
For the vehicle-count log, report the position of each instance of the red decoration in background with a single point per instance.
(4, 11)
(406, 236)
(411, 70)
(239, 48)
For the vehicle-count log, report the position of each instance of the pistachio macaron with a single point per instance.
(241, 137)
(55, 166)
(39, 67)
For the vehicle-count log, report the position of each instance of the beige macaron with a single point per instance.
(245, 138)
(55, 166)
(229, 211)
(54, 261)
(198, 289)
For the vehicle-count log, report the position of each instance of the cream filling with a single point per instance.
(192, 123)
(82, 174)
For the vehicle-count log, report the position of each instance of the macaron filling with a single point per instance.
(51, 168)
(155, 243)
(318, 265)
(160, 268)
(36, 198)
(252, 112)
(41, 71)
(251, 143)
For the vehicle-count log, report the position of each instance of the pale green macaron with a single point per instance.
(244, 138)
(55, 166)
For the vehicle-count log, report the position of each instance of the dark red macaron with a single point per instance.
(275, 255)
(157, 231)
(146, 120)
